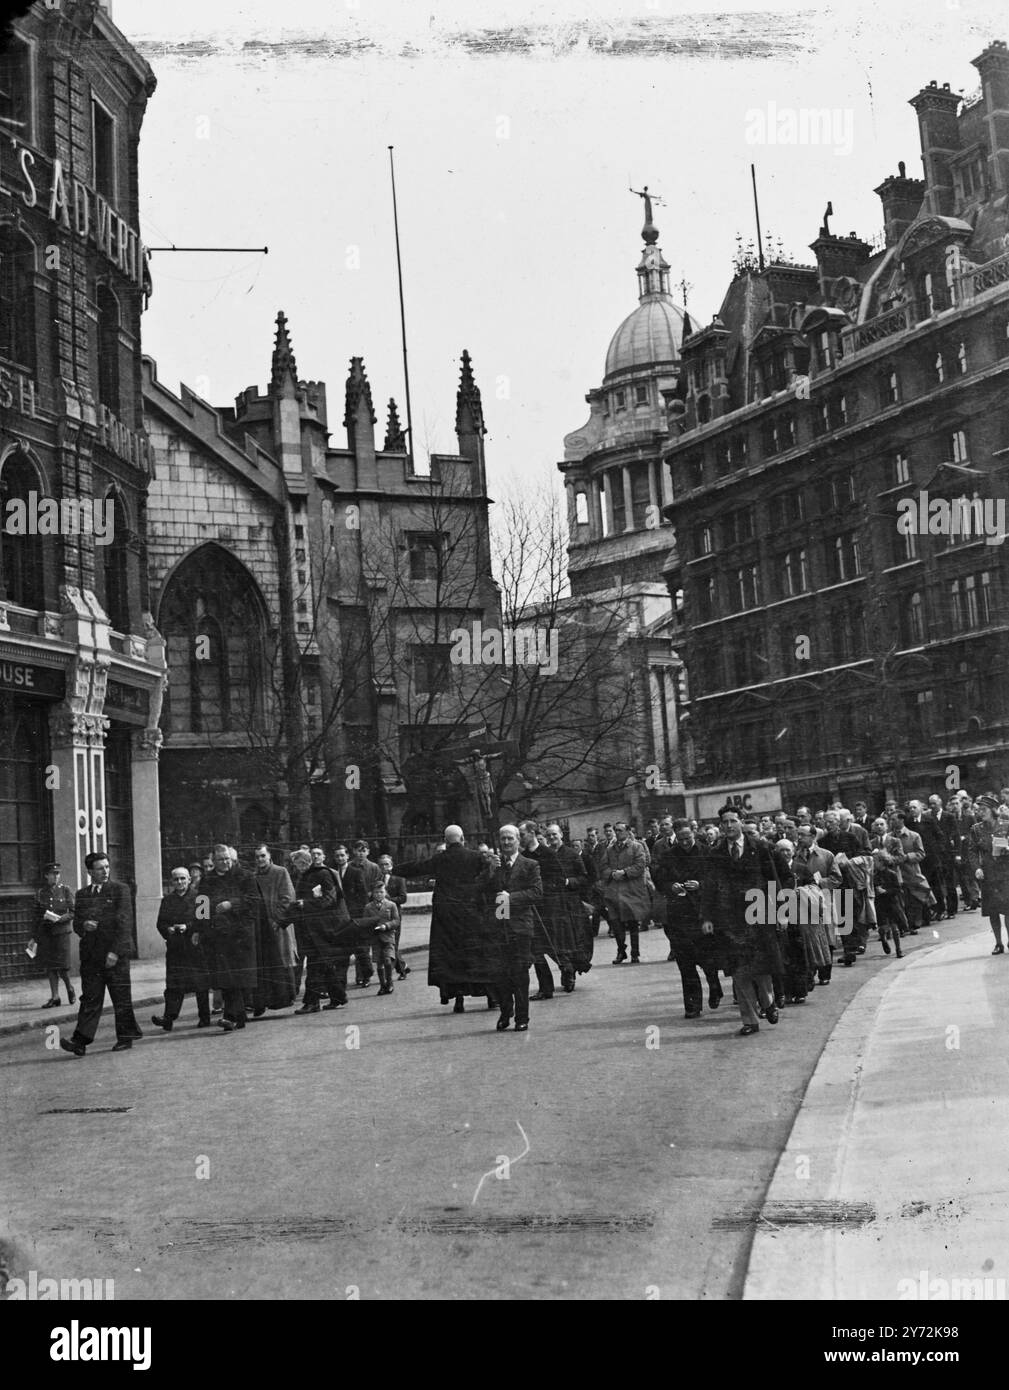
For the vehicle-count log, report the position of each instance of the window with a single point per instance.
(940, 370)
(905, 545)
(928, 295)
(793, 577)
(425, 554)
(924, 713)
(693, 471)
(299, 535)
(618, 400)
(21, 569)
(703, 409)
(17, 299)
(739, 526)
(706, 599)
(901, 469)
(746, 583)
(843, 557)
(913, 621)
(16, 89)
(641, 395)
(108, 349)
(25, 833)
(116, 559)
(778, 433)
(724, 462)
(958, 447)
(581, 509)
(431, 668)
(702, 539)
(103, 142)
(791, 507)
(971, 602)
(837, 492)
(961, 358)
(889, 387)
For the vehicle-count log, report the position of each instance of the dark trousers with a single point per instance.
(235, 1005)
(329, 975)
(173, 1003)
(544, 977)
(688, 964)
(935, 871)
(95, 980)
(364, 966)
(513, 994)
(621, 931)
(948, 871)
(853, 940)
(968, 883)
(749, 988)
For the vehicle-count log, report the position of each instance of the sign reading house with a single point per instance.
(20, 678)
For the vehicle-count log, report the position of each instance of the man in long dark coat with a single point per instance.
(734, 899)
(510, 888)
(275, 954)
(232, 905)
(185, 963)
(679, 872)
(563, 909)
(453, 954)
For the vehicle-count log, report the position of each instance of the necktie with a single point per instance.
(735, 849)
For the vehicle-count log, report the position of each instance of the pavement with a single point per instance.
(21, 1001)
(616, 1151)
(894, 1181)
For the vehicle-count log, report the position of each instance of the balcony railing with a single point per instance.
(863, 335)
(983, 277)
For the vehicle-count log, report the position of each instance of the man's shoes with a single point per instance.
(912, 931)
(999, 950)
(504, 1022)
(124, 1045)
(68, 1045)
(309, 1009)
(226, 1024)
(621, 957)
(771, 1014)
(715, 997)
(671, 956)
(204, 1023)
(540, 995)
(50, 1004)
(692, 1013)
(848, 960)
(747, 1029)
(635, 960)
(160, 1021)
(333, 1004)
(568, 981)
(71, 996)
(522, 1027)
(460, 1007)
(217, 1011)
(386, 989)
(885, 945)
(258, 1013)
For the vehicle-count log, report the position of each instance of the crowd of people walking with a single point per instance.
(772, 902)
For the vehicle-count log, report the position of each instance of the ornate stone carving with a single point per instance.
(146, 744)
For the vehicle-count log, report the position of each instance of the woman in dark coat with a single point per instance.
(792, 986)
(54, 933)
(232, 904)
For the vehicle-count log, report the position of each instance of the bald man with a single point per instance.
(455, 917)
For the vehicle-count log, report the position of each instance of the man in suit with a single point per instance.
(960, 809)
(628, 900)
(862, 817)
(453, 967)
(395, 891)
(511, 886)
(932, 865)
(552, 879)
(359, 879)
(103, 919)
(230, 930)
(947, 847)
(679, 874)
(738, 870)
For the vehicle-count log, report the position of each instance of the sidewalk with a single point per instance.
(21, 1000)
(896, 1173)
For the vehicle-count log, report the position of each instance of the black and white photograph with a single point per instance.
(502, 520)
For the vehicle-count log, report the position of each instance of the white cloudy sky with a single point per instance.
(518, 128)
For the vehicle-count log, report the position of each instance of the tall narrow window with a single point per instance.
(581, 509)
(940, 369)
(21, 570)
(17, 298)
(108, 349)
(117, 597)
(15, 89)
(901, 469)
(958, 446)
(103, 139)
(961, 357)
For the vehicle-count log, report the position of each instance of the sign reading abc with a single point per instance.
(749, 798)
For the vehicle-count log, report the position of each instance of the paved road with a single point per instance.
(330, 1169)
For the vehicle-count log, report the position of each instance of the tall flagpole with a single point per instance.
(402, 312)
(756, 209)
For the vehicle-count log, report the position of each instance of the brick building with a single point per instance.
(81, 664)
(831, 650)
(620, 541)
(306, 592)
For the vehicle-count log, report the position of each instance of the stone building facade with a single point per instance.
(306, 592)
(81, 664)
(834, 647)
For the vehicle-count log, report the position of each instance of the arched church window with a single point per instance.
(22, 579)
(17, 299)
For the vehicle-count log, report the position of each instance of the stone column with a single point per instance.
(595, 511)
(628, 498)
(667, 484)
(653, 493)
(145, 745)
(77, 744)
(607, 504)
